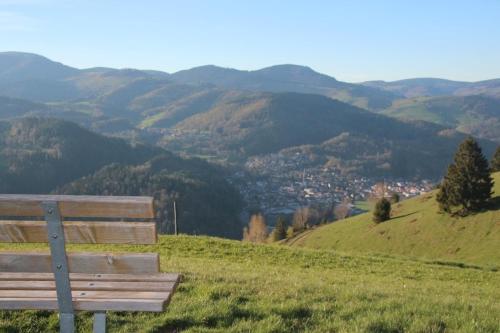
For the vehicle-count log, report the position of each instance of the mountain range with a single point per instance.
(406, 128)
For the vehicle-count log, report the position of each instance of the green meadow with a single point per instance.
(417, 229)
(230, 286)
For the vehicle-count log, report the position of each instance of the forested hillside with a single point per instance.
(325, 130)
(230, 115)
(476, 115)
(40, 155)
(206, 204)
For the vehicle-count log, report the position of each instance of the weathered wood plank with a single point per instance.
(78, 205)
(83, 294)
(90, 285)
(158, 277)
(83, 304)
(80, 232)
(105, 263)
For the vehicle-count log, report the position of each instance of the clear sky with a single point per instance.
(352, 40)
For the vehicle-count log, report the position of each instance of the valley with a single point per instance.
(279, 133)
(172, 166)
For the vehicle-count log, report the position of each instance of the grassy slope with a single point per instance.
(418, 230)
(235, 287)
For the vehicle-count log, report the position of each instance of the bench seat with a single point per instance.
(90, 292)
(81, 281)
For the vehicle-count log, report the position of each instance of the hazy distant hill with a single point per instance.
(14, 107)
(286, 78)
(437, 87)
(476, 115)
(30, 76)
(18, 66)
(231, 115)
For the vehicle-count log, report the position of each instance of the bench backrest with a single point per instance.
(103, 219)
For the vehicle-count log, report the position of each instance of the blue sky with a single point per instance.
(350, 40)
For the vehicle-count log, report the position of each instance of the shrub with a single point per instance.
(382, 211)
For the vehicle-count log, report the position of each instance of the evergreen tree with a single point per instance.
(382, 211)
(495, 161)
(279, 230)
(468, 183)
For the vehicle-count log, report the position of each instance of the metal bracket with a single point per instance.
(99, 322)
(59, 266)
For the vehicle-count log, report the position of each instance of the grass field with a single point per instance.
(231, 286)
(417, 229)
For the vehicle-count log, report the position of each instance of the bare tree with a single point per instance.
(300, 218)
(343, 210)
(379, 191)
(257, 229)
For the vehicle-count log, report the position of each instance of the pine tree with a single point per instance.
(382, 211)
(279, 230)
(495, 161)
(468, 182)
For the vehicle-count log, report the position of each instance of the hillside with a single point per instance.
(229, 286)
(34, 77)
(40, 155)
(475, 115)
(14, 107)
(206, 203)
(229, 115)
(417, 230)
(420, 87)
(30, 76)
(287, 78)
(245, 125)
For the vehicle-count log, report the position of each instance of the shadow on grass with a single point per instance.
(401, 216)
(494, 203)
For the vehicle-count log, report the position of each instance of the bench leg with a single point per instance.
(66, 323)
(100, 322)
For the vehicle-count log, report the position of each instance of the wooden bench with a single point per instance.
(69, 282)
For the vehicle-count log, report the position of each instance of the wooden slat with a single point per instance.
(105, 263)
(83, 304)
(80, 232)
(158, 277)
(22, 293)
(90, 285)
(78, 205)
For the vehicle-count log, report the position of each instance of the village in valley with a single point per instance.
(278, 186)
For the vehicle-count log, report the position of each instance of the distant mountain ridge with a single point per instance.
(421, 87)
(21, 73)
(231, 115)
(286, 78)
